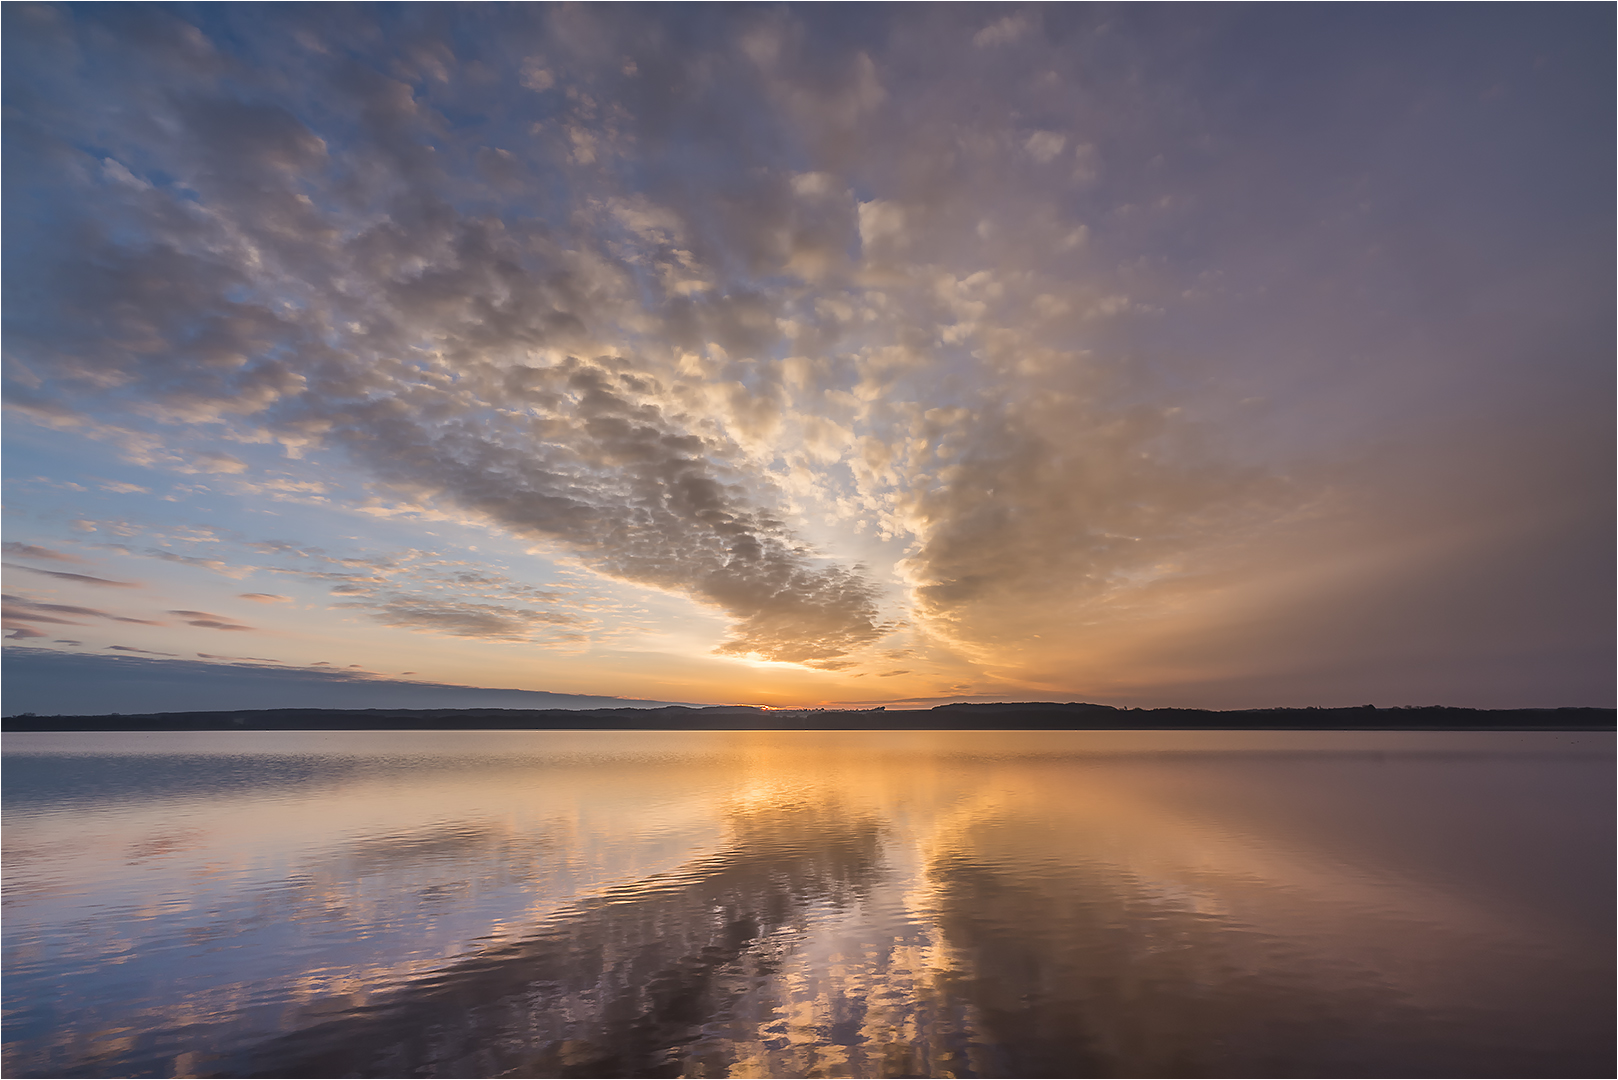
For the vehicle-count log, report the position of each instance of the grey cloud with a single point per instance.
(22, 608)
(246, 139)
(32, 551)
(52, 681)
(18, 612)
(1006, 30)
(209, 622)
(641, 500)
(83, 579)
(344, 583)
(287, 547)
(1039, 508)
(492, 622)
(217, 565)
(638, 494)
(512, 616)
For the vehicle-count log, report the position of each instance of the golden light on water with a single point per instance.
(781, 903)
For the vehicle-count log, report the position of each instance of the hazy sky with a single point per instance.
(1149, 355)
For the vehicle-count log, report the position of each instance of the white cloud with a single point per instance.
(1045, 146)
(881, 220)
(1004, 31)
(535, 75)
(812, 185)
(208, 461)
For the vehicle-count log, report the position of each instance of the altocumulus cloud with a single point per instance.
(587, 377)
(720, 301)
(355, 288)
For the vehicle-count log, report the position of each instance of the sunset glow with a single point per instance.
(842, 354)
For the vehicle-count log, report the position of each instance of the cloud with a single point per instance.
(208, 622)
(491, 622)
(639, 499)
(535, 75)
(23, 617)
(218, 566)
(133, 649)
(264, 598)
(881, 220)
(83, 579)
(1044, 146)
(24, 608)
(797, 330)
(208, 462)
(604, 465)
(1004, 31)
(985, 554)
(49, 681)
(31, 551)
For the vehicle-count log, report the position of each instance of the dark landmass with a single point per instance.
(1039, 715)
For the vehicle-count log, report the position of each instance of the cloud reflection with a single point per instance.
(618, 986)
(864, 904)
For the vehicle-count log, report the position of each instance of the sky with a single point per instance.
(1213, 356)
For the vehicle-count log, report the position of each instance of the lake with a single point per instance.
(809, 904)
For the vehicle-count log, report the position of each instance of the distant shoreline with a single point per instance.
(1020, 716)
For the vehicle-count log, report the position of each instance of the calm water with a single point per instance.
(809, 904)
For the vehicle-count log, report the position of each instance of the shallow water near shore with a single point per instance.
(809, 904)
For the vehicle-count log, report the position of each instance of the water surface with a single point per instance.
(809, 904)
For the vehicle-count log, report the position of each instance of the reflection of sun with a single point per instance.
(754, 660)
(759, 793)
